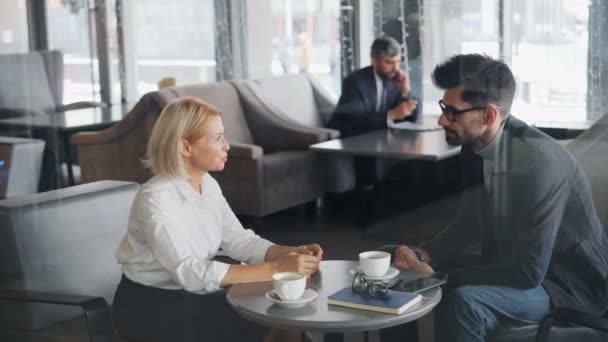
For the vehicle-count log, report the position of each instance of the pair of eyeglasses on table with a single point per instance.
(374, 288)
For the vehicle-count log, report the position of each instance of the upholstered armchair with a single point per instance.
(269, 166)
(32, 83)
(309, 105)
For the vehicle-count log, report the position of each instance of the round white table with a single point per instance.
(249, 301)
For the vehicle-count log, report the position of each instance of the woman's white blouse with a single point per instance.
(174, 233)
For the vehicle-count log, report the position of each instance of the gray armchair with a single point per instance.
(32, 83)
(57, 259)
(302, 101)
(269, 166)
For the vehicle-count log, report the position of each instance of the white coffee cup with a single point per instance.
(289, 285)
(374, 263)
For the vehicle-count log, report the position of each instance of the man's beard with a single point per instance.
(453, 139)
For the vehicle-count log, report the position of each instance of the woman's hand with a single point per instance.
(296, 262)
(313, 249)
(406, 258)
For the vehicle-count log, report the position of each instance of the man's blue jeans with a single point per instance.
(470, 313)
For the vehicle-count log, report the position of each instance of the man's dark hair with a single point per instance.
(483, 80)
(385, 46)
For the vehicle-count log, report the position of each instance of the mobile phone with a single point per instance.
(419, 285)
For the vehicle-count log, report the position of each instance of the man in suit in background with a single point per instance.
(527, 238)
(371, 97)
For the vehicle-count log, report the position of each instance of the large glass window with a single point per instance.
(13, 26)
(452, 27)
(69, 30)
(174, 39)
(305, 38)
(549, 49)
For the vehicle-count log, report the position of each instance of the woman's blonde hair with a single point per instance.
(182, 119)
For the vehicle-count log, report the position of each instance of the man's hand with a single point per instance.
(402, 80)
(312, 249)
(402, 110)
(406, 258)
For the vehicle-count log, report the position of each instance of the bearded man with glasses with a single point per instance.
(527, 238)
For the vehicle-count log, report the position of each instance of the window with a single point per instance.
(69, 30)
(173, 39)
(305, 38)
(549, 49)
(454, 27)
(13, 27)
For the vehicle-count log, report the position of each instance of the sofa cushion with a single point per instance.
(292, 95)
(223, 96)
(285, 173)
(590, 149)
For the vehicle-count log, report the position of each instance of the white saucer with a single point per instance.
(390, 274)
(308, 296)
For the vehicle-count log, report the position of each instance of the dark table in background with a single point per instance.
(57, 128)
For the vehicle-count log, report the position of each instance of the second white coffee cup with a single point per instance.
(374, 263)
(289, 285)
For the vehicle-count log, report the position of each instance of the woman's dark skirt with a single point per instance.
(144, 313)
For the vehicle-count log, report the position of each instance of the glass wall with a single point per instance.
(452, 27)
(13, 26)
(305, 38)
(173, 39)
(69, 30)
(549, 49)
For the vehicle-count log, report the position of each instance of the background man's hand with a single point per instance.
(402, 110)
(402, 80)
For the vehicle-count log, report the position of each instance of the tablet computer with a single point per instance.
(418, 285)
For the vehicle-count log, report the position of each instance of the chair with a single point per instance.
(57, 260)
(269, 167)
(32, 83)
(312, 107)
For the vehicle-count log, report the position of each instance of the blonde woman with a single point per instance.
(179, 221)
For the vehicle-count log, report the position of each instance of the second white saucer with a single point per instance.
(390, 274)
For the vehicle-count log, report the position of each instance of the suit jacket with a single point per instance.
(536, 225)
(356, 110)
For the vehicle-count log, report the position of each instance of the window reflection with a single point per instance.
(549, 50)
(13, 26)
(305, 38)
(173, 39)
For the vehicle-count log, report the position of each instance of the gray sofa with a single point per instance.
(301, 100)
(269, 166)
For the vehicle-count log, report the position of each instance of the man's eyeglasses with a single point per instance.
(451, 112)
(374, 288)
